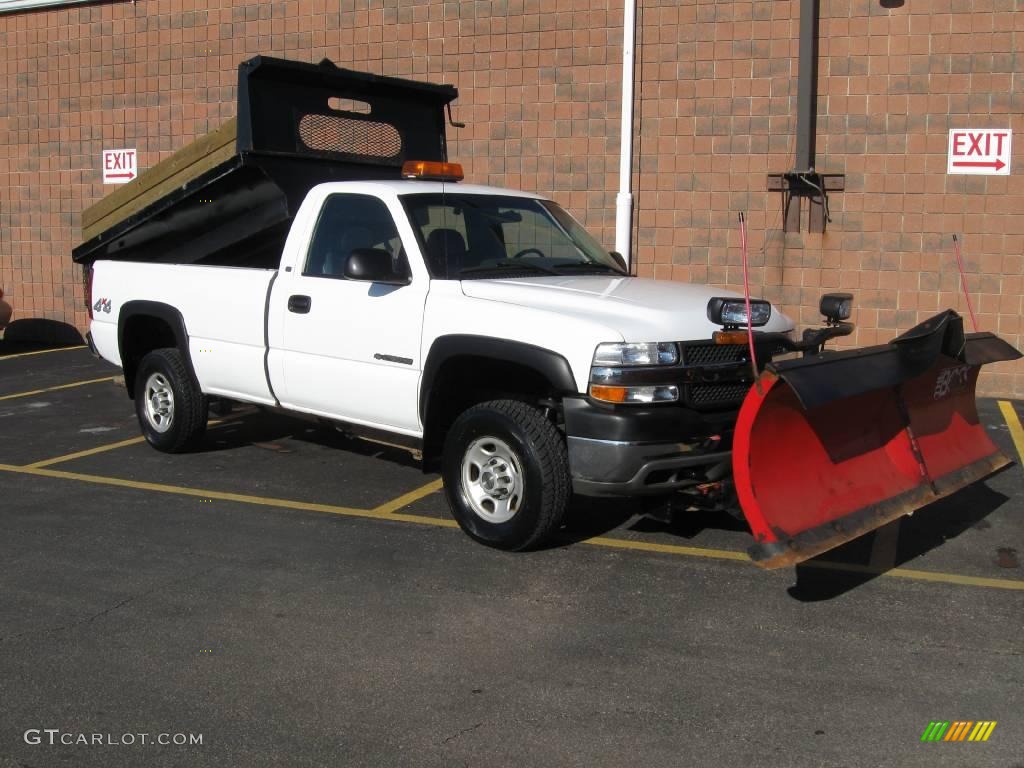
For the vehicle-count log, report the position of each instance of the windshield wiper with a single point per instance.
(510, 266)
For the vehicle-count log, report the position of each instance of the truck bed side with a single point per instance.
(223, 310)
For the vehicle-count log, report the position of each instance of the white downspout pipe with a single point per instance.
(624, 200)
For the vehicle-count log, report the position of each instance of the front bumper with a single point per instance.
(629, 451)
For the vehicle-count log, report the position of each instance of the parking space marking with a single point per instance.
(599, 541)
(83, 454)
(72, 385)
(241, 498)
(406, 499)
(40, 352)
(917, 575)
(108, 447)
(1013, 422)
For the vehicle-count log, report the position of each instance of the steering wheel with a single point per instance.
(525, 251)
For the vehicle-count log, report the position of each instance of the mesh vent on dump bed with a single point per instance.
(367, 138)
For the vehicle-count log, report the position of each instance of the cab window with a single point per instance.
(348, 223)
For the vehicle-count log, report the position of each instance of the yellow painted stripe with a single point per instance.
(105, 448)
(40, 352)
(910, 573)
(600, 541)
(241, 498)
(977, 729)
(1016, 430)
(83, 454)
(667, 549)
(54, 389)
(988, 731)
(405, 500)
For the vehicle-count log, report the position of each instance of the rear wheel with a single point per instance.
(506, 474)
(170, 407)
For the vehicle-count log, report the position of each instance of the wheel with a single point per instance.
(170, 407)
(506, 474)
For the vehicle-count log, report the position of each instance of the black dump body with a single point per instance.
(298, 125)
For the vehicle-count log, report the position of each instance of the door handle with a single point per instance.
(299, 304)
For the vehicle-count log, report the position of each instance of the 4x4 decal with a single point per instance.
(101, 305)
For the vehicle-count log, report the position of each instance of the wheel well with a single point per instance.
(140, 336)
(466, 380)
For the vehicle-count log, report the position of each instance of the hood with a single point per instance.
(638, 308)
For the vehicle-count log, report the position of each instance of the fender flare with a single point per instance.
(165, 312)
(551, 365)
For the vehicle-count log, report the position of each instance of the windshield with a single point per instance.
(488, 236)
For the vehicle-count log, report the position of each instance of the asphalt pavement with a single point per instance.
(294, 597)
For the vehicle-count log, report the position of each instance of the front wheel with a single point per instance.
(506, 474)
(172, 411)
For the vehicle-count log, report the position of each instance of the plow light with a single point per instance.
(646, 353)
(733, 311)
(836, 307)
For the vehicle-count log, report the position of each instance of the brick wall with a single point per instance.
(540, 93)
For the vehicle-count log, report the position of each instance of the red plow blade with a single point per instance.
(832, 446)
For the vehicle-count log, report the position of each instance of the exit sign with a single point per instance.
(119, 165)
(980, 151)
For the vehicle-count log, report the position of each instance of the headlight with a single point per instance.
(644, 353)
(729, 311)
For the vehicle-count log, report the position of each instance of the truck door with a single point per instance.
(350, 349)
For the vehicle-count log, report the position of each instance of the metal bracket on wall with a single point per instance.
(811, 186)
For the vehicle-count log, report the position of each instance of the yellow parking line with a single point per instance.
(408, 498)
(105, 448)
(1013, 422)
(916, 575)
(241, 498)
(667, 549)
(600, 541)
(40, 352)
(83, 454)
(54, 389)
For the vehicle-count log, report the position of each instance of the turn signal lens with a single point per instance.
(431, 170)
(729, 337)
(634, 395)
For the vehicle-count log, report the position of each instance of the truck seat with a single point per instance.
(446, 251)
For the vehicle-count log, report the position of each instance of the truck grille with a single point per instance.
(713, 354)
(727, 394)
(709, 353)
(711, 395)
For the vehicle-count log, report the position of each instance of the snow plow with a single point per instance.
(835, 444)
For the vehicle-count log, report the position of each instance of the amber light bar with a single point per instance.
(432, 170)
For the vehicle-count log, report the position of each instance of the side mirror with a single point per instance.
(374, 265)
(618, 259)
(836, 307)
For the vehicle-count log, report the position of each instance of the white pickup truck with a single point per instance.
(319, 255)
(481, 326)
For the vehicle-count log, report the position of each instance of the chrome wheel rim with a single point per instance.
(492, 476)
(159, 399)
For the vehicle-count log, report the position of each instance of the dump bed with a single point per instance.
(229, 197)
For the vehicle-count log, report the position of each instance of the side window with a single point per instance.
(348, 222)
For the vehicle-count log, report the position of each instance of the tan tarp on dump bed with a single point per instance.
(183, 166)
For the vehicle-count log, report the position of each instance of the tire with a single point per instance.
(171, 409)
(506, 474)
